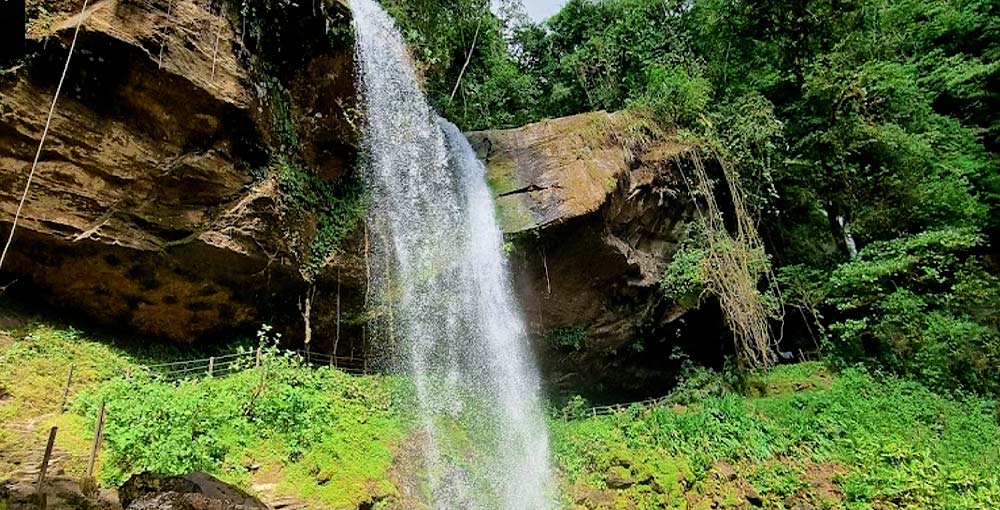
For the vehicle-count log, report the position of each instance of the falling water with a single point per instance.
(443, 291)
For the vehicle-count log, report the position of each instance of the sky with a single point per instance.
(539, 10)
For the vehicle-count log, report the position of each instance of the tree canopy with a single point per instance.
(865, 132)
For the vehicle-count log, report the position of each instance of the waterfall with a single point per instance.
(443, 293)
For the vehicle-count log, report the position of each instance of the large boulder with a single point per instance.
(597, 204)
(196, 491)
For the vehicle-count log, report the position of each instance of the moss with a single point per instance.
(501, 176)
(337, 208)
(513, 215)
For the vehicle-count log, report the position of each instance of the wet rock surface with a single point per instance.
(600, 206)
(196, 491)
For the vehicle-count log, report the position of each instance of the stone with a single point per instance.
(148, 211)
(726, 471)
(619, 478)
(598, 205)
(179, 501)
(196, 491)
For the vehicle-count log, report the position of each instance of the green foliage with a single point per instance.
(597, 454)
(35, 360)
(913, 301)
(604, 55)
(338, 208)
(491, 91)
(684, 281)
(330, 433)
(282, 120)
(895, 440)
(574, 337)
(674, 95)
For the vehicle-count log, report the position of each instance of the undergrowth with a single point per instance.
(35, 361)
(320, 434)
(883, 442)
(798, 436)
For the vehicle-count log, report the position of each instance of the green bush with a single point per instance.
(677, 97)
(910, 305)
(332, 434)
(898, 442)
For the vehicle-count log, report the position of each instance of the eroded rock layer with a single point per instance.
(600, 204)
(153, 207)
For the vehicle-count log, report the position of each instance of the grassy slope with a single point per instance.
(806, 439)
(34, 364)
(318, 435)
(810, 440)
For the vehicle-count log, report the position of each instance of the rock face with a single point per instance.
(164, 203)
(600, 204)
(152, 208)
(196, 491)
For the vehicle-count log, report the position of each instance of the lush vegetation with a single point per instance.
(863, 135)
(804, 437)
(35, 361)
(320, 434)
(317, 434)
(462, 51)
(798, 435)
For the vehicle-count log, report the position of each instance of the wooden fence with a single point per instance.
(227, 364)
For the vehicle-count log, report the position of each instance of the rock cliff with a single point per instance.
(157, 206)
(188, 189)
(599, 205)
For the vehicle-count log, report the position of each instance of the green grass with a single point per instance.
(320, 434)
(882, 442)
(317, 434)
(798, 434)
(34, 363)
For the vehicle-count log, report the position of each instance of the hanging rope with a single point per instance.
(45, 133)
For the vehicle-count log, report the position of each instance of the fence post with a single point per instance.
(98, 436)
(211, 365)
(69, 380)
(45, 462)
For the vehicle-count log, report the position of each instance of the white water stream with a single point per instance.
(443, 287)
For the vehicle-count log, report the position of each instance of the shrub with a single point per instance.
(301, 420)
